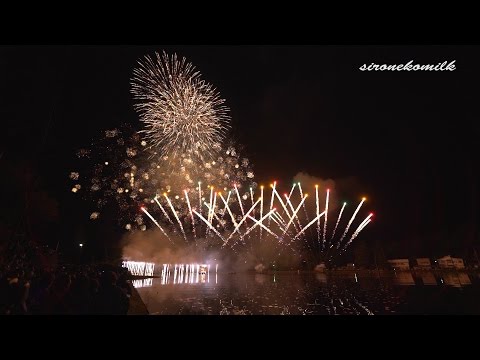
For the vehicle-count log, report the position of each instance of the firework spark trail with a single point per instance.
(355, 234)
(243, 219)
(308, 225)
(210, 226)
(304, 207)
(163, 210)
(294, 214)
(276, 217)
(215, 216)
(261, 208)
(291, 190)
(364, 222)
(200, 196)
(156, 223)
(260, 223)
(239, 199)
(367, 218)
(279, 218)
(191, 215)
(361, 226)
(176, 216)
(280, 239)
(211, 199)
(251, 198)
(277, 214)
(276, 221)
(290, 194)
(317, 212)
(338, 220)
(364, 225)
(271, 199)
(225, 208)
(213, 207)
(350, 222)
(181, 112)
(275, 193)
(229, 210)
(210, 207)
(326, 214)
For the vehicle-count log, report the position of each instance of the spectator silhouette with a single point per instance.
(40, 292)
(110, 299)
(56, 302)
(79, 296)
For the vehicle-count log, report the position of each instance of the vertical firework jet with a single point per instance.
(237, 232)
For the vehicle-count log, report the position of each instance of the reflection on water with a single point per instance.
(311, 293)
(186, 274)
(142, 283)
(140, 268)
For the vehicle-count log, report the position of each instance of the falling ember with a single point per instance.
(95, 215)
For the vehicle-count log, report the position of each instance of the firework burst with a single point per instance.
(121, 169)
(182, 114)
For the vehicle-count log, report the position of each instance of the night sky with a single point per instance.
(406, 140)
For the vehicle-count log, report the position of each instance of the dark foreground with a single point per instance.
(313, 294)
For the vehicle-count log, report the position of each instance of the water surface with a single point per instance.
(313, 294)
